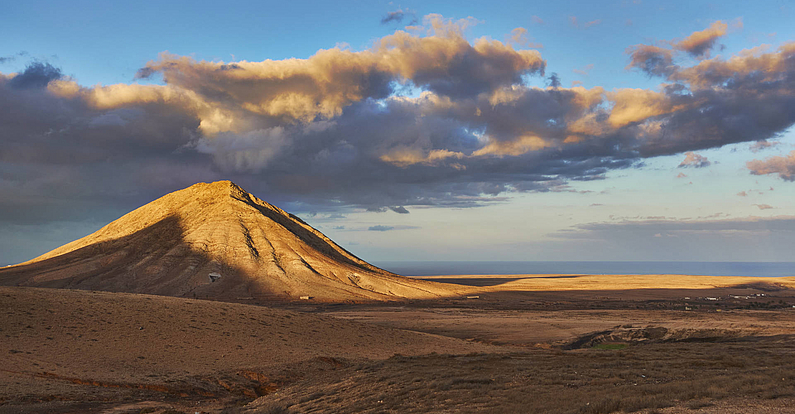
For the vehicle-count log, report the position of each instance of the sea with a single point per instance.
(440, 268)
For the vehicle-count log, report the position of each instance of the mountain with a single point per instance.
(216, 241)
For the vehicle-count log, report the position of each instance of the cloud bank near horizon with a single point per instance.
(423, 117)
(666, 238)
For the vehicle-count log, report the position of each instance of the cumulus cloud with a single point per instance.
(320, 87)
(784, 166)
(653, 60)
(764, 206)
(720, 100)
(399, 210)
(700, 43)
(694, 160)
(334, 130)
(249, 151)
(36, 75)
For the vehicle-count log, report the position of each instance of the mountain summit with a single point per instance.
(215, 241)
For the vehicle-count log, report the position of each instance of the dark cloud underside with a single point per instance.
(334, 130)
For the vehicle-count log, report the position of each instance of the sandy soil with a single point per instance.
(555, 310)
(546, 283)
(565, 349)
(690, 377)
(556, 328)
(75, 345)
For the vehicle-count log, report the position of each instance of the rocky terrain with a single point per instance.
(216, 241)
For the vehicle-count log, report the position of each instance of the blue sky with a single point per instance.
(506, 185)
(107, 42)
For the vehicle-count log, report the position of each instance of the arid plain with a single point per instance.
(211, 300)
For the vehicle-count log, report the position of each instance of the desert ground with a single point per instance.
(542, 343)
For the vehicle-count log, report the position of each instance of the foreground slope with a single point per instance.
(77, 346)
(215, 241)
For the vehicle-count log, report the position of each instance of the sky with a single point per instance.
(433, 130)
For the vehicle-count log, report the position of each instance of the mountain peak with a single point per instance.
(222, 187)
(215, 240)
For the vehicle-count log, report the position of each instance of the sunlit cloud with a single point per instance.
(783, 166)
(694, 160)
(333, 129)
(700, 43)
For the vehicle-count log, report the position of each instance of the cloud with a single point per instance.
(249, 151)
(700, 43)
(694, 160)
(398, 15)
(747, 224)
(390, 228)
(574, 22)
(671, 239)
(653, 60)
(323, 85)
(681, 175)
(762, 145)
(380, 228)
(11, 58)
(683, 226)
(537, 20)
(725, 100)
(742, 194)
(519, 37)
(784, 166)
(35, 75)
(399, 210)
(764, 206)
(335, 130)
(584, 71)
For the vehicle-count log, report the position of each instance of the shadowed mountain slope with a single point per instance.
(215, 241)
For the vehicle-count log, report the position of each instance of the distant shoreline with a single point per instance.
(450, 268)
(617, 283)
